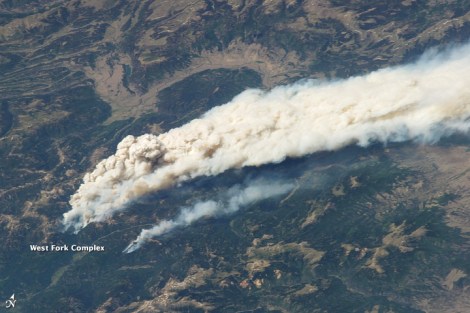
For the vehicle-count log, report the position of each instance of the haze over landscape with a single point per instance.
(259, 156)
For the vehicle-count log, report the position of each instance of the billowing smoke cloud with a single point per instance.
(235, 198)
(421, 101)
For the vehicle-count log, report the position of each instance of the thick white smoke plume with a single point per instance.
(235, 198)
(421, 101)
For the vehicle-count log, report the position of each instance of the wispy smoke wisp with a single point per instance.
(422, 101)
(236, 198)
